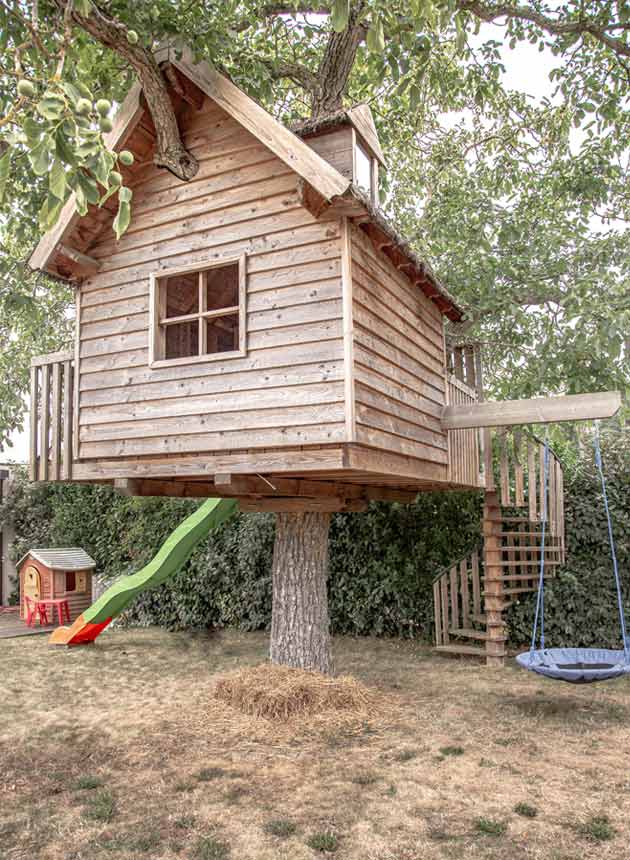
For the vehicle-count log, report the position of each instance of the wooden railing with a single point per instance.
(51, 417)
(480, 587)
(522, 480)
(457, 598)
(463, 445)
(463, 361)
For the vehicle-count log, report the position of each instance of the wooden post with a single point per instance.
(493, 582)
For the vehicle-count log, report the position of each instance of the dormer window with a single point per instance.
(363, 169)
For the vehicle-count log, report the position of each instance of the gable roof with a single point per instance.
(74, 558)
(297, 154)
(359, 116)
(329, 185)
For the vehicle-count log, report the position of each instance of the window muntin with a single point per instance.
(199, 314)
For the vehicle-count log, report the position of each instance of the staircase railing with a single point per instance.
(482, 585)
(51, 417)
(457, 596)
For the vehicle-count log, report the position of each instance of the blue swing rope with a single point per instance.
(540, 600)
(611, 539)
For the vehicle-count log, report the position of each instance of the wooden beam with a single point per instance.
(87, 264)
(537, 410)
(301, 505)
(128, 487)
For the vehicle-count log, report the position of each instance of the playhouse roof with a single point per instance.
(61, 559)
(58, 252)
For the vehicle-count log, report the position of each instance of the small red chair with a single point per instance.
(35, 608)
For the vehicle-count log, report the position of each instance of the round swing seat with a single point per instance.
(576, 665)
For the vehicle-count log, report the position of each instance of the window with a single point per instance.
(71, 581)
(363, 169)
(198, 314)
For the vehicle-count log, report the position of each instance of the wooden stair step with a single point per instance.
(469, 650)
(551, 561)
(515, 591)
(519, 548)
(521, 534)
(468, 633)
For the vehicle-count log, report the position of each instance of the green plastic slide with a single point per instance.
(171, 556)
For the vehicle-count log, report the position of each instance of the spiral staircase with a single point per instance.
(472, 595)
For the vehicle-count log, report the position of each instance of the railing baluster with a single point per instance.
(445, 619)
(34, 428)
(55, 440)
(44, 426)
(476, 585)
(463, 577)
(68, 377)
(454, 597)
(437, 612)
(531, 481)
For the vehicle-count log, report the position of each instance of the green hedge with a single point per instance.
(382, 561)
(581, 602)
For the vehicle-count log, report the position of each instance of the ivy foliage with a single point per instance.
(382, 562)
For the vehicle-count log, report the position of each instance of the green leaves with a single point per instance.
(57, 180)
(123, 217)
(340, 13)
(376, 37)
(5, 166)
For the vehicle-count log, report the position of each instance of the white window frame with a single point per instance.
(157, 313)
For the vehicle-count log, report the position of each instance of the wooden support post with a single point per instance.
(493, 582)
(463, 583)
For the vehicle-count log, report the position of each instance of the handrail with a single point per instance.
(51, 358)
(478, 546)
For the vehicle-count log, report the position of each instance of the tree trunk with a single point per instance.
(300, 635)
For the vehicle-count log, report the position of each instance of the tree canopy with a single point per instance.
(520, 204)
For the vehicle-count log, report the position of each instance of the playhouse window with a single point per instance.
(199, 314)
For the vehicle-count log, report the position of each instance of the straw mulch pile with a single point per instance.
(278, 693)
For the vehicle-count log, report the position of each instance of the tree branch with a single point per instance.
(491, 11)
(170, 151)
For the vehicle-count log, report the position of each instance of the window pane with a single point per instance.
(182, 340)
(222, 287)
(364, 169)
(222, 333)
(182, 294)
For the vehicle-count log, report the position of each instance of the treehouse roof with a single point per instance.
(64, 250)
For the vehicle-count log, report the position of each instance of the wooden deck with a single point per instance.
(11, 626)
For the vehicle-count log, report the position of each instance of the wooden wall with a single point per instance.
(289, 388)
(336, 147)
(398, 359)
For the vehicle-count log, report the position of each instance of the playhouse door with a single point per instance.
(32, 583)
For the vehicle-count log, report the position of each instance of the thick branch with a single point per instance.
(337, 62)
(170, 151)
(489, 12)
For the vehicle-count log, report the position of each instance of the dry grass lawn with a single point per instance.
(120, 751)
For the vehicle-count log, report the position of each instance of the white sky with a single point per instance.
(527, 69)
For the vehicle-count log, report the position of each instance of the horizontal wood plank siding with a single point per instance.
(288, 389)
(398, 359)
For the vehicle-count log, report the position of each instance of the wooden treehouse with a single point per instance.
(261, 331)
